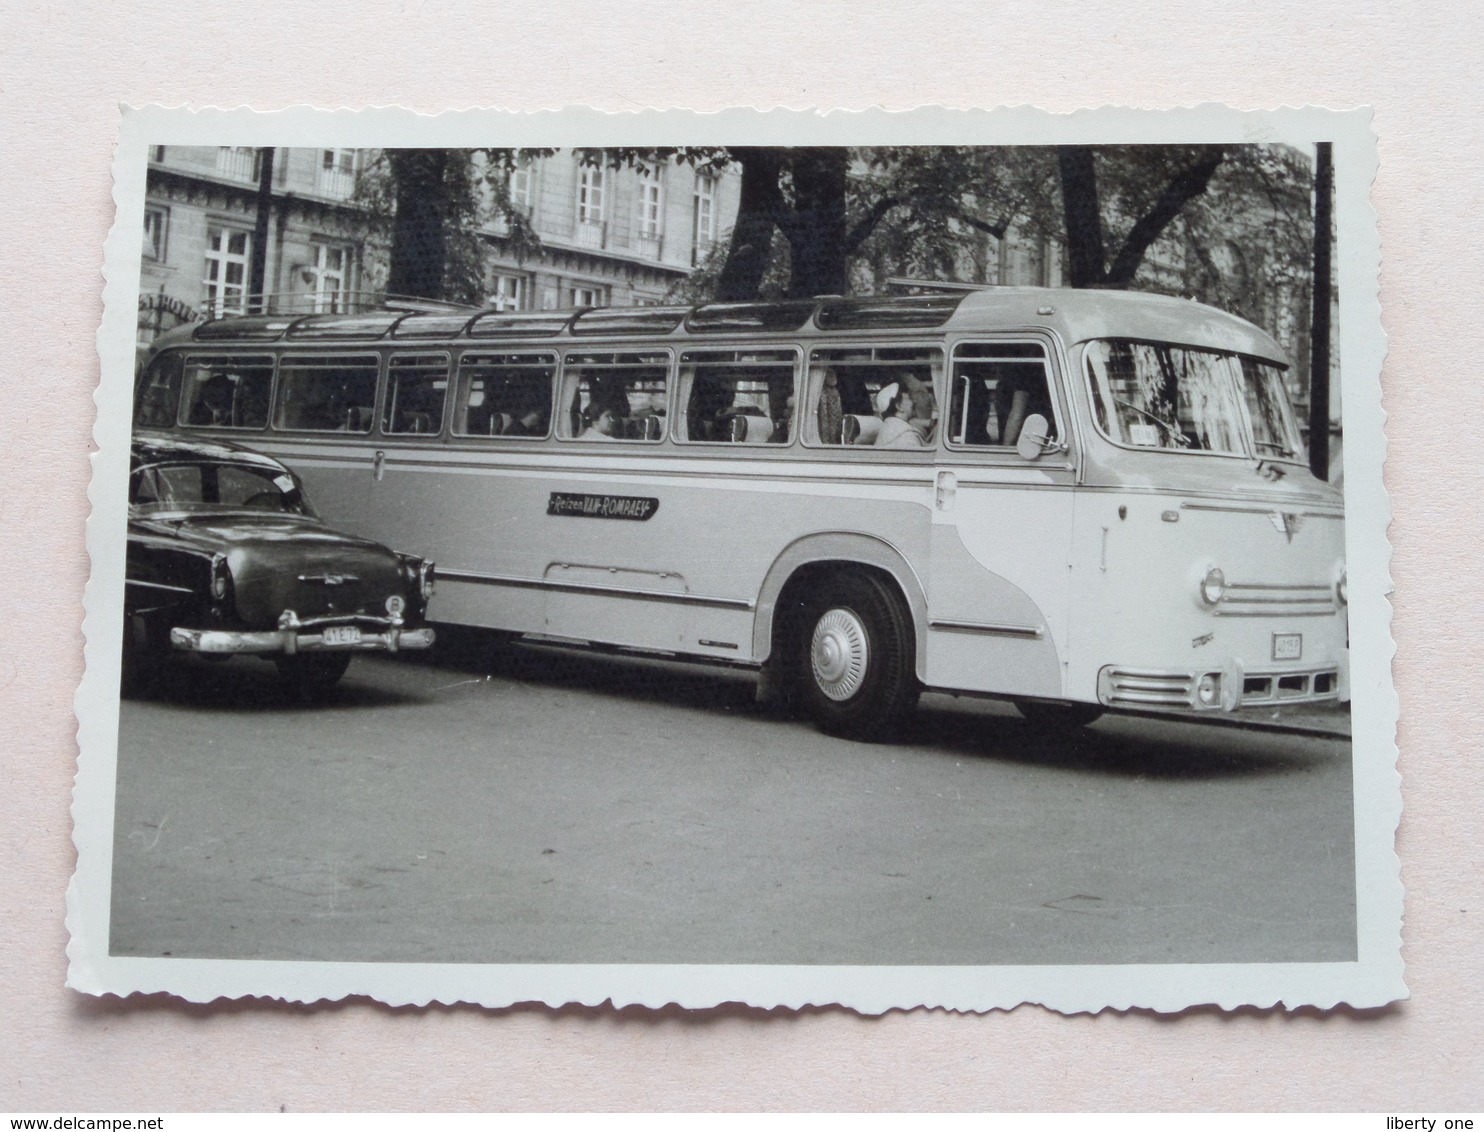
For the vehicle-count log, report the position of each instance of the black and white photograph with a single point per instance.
(929, 559)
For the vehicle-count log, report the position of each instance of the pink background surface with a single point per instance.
(63, 71)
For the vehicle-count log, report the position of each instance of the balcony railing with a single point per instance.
(590, 234)
(240, 162)
(649, 247)
(337, 183)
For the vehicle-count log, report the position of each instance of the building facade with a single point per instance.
(604, 236)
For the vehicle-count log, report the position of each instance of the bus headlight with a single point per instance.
(1213, 586)
(425, 580)
(1342, 587)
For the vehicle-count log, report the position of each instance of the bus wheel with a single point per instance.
(1058, 717)
(855, 666)
(311, 675)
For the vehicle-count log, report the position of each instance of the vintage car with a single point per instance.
(226, 557)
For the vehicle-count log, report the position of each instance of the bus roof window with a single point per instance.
(629, 320)
(737, 318)
(887, 313)
(345, 326)
(258, 328)
(430, 325)
(519, 324)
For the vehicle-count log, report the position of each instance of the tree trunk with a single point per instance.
(816, 226)
(757, 217)
(1081, 208)
(1191, 183)
(418, 240)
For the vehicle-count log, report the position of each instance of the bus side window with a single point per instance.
(417, 385)
(995, 388)
(855, 390)
(158, 397)
(227, 392)
(738, 397)
(614, 397)
(504, 395)
(327, 393)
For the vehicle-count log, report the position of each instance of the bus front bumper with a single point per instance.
(1225, 689)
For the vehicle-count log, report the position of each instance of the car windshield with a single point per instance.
(215, 487)
(1158, 395)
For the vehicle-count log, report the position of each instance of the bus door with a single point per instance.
(999, 578)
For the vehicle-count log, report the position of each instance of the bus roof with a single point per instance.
(1076, 315)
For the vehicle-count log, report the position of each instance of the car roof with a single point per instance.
(161, 448)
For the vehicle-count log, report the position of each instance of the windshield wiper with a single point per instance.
(1180, 439)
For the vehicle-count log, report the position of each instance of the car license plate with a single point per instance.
(342, 635)
(1288, 646)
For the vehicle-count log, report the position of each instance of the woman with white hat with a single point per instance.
(897, 431)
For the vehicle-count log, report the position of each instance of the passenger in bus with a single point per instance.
(530, 423)
(601, 422)
(894, 405)
(214, 403)
(830, 415)
(1019, 394)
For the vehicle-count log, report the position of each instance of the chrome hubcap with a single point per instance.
(838, 654)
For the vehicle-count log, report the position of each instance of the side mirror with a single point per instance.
(1034, 441)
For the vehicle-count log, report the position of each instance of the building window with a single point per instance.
(509, 293)
(333, 264)
(651, 205)
(227, 253)
(587, 297)
(590, 195)
(337, 173)
(157, 153)
(156, 226)
(704, 217)
(239, 162)
(520, 189)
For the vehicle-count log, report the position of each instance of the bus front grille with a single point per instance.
(1254, 599)
(1135, 688)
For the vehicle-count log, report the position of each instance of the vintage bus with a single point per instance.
(1072, 500)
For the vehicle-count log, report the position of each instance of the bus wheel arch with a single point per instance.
(842, 635)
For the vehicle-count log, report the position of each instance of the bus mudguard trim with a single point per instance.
(846, 548)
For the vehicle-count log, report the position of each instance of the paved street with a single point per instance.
(550, 807)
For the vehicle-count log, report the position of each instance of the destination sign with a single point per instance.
(636, 507)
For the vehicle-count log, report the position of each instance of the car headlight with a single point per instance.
(221, 576)
(1213, 586)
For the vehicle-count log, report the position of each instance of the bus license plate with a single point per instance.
(1288, 646)
(342, 635)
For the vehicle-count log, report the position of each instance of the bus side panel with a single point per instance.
(999, 589)
(1018, 656)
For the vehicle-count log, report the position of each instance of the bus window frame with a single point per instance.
(381, 356)
(640, 348)
(1056, 392)
(384, 392)
(553, 358)
(809, 410)
(682, 407)
(181, 409)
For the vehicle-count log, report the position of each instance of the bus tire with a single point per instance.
(310, 675)
(1058, 717)
(854, 665)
